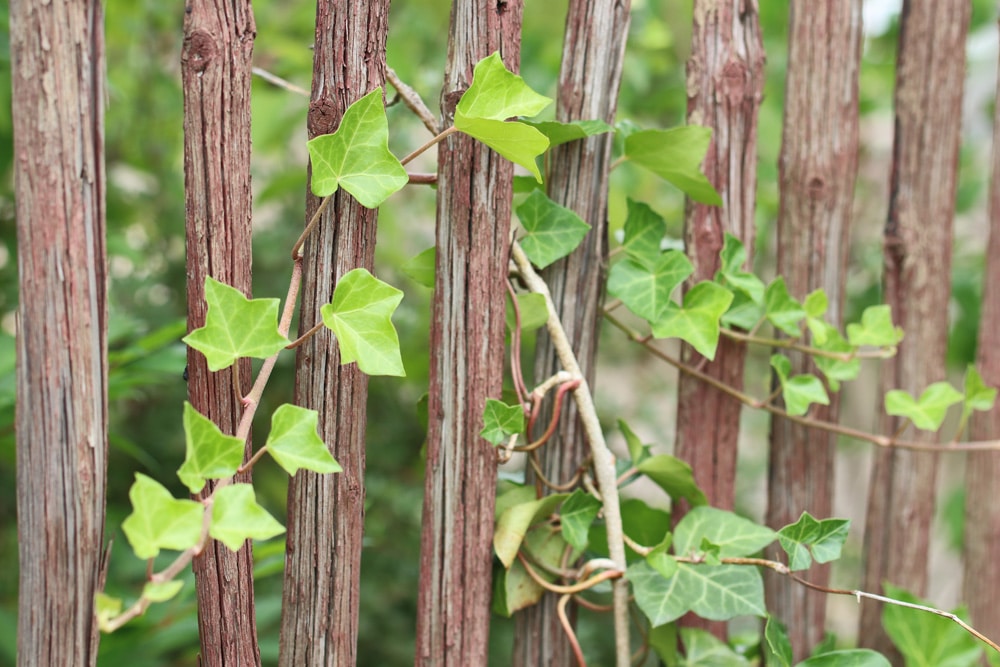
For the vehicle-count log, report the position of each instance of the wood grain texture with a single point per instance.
(725, 79)
(319, 624)
(576, 177)
(467, 355)
(57, 67)
(817, 166)
(917, 283)
(216, 77)
(982, 512)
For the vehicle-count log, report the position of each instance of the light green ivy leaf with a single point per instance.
(500, 421)
(703, 649)
(533, 309)
(495, 95)
(675, 155)
(356, 157)
(161, 591)
(673, 476)
(875, 328)
(809, 538)
(294, 442)
(236, 517)
(361, 317)
(781, 310)
(561, 133)
(209, 454)
(732, 260)
(236, 327)
(646, 289)
(637, 451)
(106, 608)
(697, 321)
(927, 640)
(552, 231)
(978, 396)
(421, 268)
(827, 338)
(160, 521)
(576, 515)
(799, 391)
(644, 230)
(929, 410)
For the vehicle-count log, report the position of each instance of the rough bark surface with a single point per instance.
(725, 80)
(57, 64)
(467, 355)
(215, 71)
(577, 177)
(319, 624)
(917, 248)
(982, 512)
(818, 165)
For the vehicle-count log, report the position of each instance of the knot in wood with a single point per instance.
(816, 188)
(200, 49)
(501, 7)
(324, 117)
(732, 82)
(450, 101)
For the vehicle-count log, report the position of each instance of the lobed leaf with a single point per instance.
(799, 391)
(209, 454)
(500, 421)
(827, 338)
(236, 327)
(673, 476)
(646, 289)
(735, 536)
(552, 231)
(576, 516)
(356, 156)
(978, 396)
(644, 230)
(697, 321)
(928, 640)
(777, 640)
(294, 442)
(160, 521)
(809, 538)
(733, 259)
(703, 649)
(675, 155)
(781, 310)
(929, 410)
(875, 328)
(361, 317)
(236, 517)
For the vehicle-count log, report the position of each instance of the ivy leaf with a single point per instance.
(209, 454)
(356, 157)
(875, 329)
(562, 133)
(644, 230)
(663, 640)
(513, 524)
(808, 538)
(553, 231)
(160, 521)
(927, 640)
(576, 515)
(660, 560)
(500, 421)
(978, 396)
(715, 592)
(294, 443)
(782, 310)
(703, 649)
(735, 536)
(646, 290)
(106, 608)
(421, 268)
(827, 338)
(514, 588)
(777, 641)
(799, 391)
(642, 523)
(236, 327)
(636, 450)
(743, 313)
(361, 317)
(236, 517)
(673, 476)
(675, 155)
(534, 312)
(928, 411)
(697, 321)
(495, 95)
(816, 304)
(162, 591)
(857, 657)
(732, 259)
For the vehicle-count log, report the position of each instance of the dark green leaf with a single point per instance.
(576, 515)
(703, 649)
(735, 536)
(500, 421)
(673, 476)
(636, 450)
(515, 521)
(808, 538)
(848, 658)
(778, 643)
(553, 231)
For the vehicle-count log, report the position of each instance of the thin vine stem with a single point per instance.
(438, 138)
(790, 344)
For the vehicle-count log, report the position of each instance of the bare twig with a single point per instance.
(276, 80)
(413, 101)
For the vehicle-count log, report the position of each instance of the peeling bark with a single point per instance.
(818, 166)
(215, 70)
(576, 177)
(917, 248)
(57, 67)
(467, 355)
(725, 81)
(320, 603)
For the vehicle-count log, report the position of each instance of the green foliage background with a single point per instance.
(145, 244)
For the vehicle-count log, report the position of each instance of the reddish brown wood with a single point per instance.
(577, 177)
(725, 86)
(319, 624)
(917, 237)
(818, 165)
(215, 71)
(982, 512)
(467, 355)
(57, 67)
